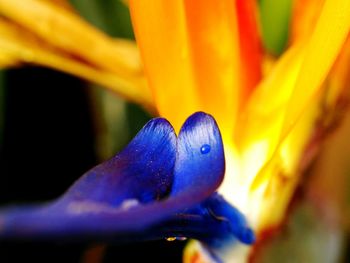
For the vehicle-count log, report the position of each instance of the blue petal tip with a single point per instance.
(247, 236)
(200, 153)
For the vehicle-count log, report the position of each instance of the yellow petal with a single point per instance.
(6, 60)
(265, 112)
(65, 30)
(195, 253)
(24, 47)
(321, 51)
(339, 77)
(258, 137)
(191, 57)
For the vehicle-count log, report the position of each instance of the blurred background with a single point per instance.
(54, 127)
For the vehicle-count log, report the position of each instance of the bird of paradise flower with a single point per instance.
(207, 57)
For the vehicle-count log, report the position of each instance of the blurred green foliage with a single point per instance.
(111, 16)
(275, 19)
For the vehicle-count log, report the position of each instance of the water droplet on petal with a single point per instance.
(205, 148)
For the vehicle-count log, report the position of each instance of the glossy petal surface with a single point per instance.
(127, 193)
(200, 156)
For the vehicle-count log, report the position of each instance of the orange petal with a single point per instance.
(191, 56)
(213, 35)
(304, 17)
(250, 46)
(160, 31)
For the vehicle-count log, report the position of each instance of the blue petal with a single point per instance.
(200, 162)
(142, 171)
(235, 220)
(124, 198)
(213, 221)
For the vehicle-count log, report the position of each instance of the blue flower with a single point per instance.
(159, 186)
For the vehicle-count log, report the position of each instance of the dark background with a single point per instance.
(48, 143)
